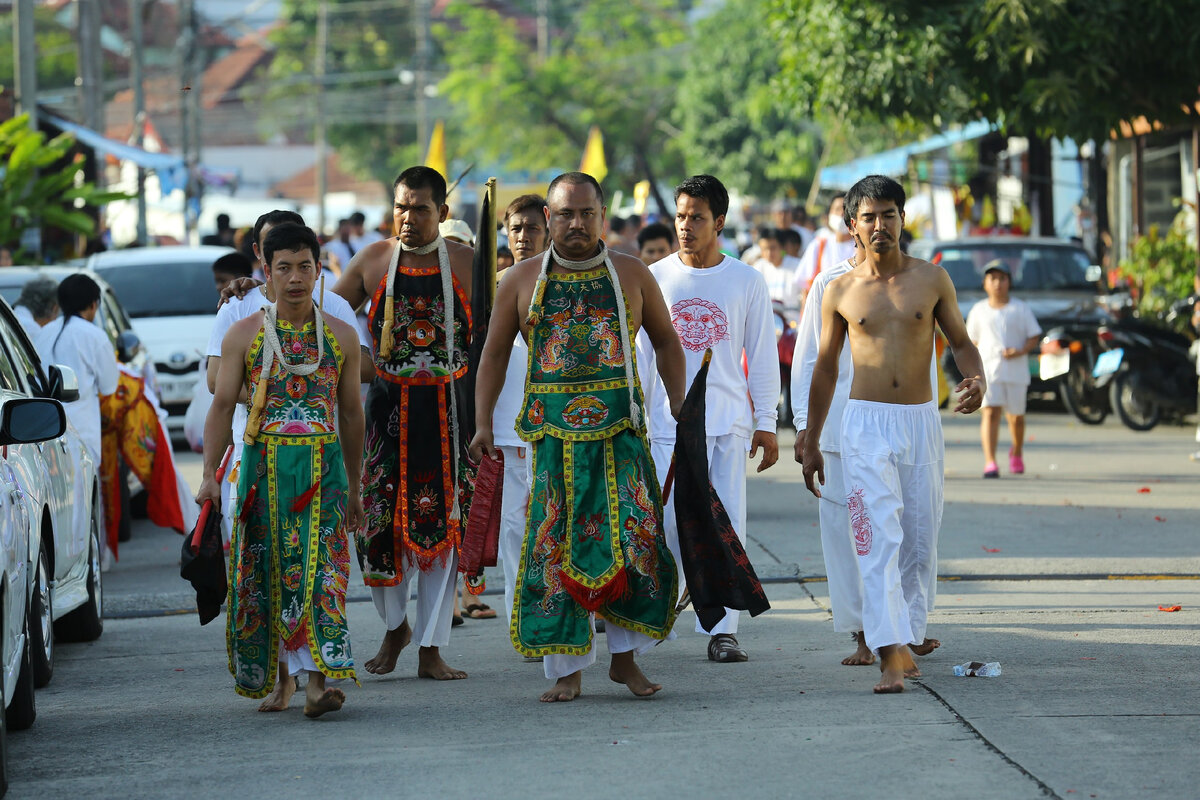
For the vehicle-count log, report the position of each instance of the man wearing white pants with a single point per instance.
(885, 308)
(718, 303)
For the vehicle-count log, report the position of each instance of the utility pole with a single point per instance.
(543, 31)
(421, 10)
(91, 78)
(322, 172)
(25, 66)
(187, 82)
(136, 9)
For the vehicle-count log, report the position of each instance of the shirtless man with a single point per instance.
(594, 542)
(411, 466)
(892, 446)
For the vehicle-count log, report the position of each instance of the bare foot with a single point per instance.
(393, 642)
(281, 698)
(891, 664)
(863, 657)
(565, 690)
(318, 700)
(911, 670)
(624, 669)
(926, 647)
(430, 665)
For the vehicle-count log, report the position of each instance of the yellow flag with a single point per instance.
(641, 193)
(593, 156)
(436, 157)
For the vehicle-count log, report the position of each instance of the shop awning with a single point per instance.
(172, 174)
(894, 162)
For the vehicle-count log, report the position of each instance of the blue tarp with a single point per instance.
(894, 162)
(172, 174)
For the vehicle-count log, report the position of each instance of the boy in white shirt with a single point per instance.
(720, 303)
(1005, 331)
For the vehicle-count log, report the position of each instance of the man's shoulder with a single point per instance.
(347, 336)
(245, 328)
(459, 253)
(828, 276)
(525, 271)
(629, 266)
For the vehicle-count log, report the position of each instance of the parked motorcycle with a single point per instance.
(1068, 358)
(1147, 370)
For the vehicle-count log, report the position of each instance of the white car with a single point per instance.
(60, 489)
(170, 295)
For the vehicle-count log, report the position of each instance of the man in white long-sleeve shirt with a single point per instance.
(720, 303)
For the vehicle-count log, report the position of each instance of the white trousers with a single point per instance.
(513, 510)
(298, 660)
(843, 579)
(893, 464)
(620, 640)
(727, 471)
(435, 602)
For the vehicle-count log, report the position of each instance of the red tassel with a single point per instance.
(594, 599)
(303, 500)
(248, 503)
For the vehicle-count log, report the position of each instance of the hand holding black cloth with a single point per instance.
(205, 568)
(715, 565)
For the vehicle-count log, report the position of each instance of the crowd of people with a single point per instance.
(587, 357)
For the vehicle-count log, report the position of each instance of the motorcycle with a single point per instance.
(1068, 357)
(1147, 370)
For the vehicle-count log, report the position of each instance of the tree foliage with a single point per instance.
(1162, 266)
(1048, 67)
(614, 64)
(55, 50)
(726, 107)
(39, 183)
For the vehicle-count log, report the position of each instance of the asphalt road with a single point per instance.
(1058, 575)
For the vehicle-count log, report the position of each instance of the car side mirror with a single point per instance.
(31, 419)
(64, 385)
(1094, 273)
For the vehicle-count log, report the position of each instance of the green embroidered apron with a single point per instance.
(289, 557)
(594, 536)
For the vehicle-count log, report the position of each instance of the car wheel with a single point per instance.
(86, 623)
(22, 711)
(1134, 408)
(41, 622)
(3, 744)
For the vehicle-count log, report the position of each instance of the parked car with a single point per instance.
(1055, 277)
(24, 590)
(170, 294)
(61, 487)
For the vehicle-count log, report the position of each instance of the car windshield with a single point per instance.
(164, 290)
(1034, 268)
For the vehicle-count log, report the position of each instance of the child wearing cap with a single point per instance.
(1005, 331)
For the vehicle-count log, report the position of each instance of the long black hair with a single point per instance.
(76, 293)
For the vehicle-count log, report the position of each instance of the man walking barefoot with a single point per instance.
(892, 446)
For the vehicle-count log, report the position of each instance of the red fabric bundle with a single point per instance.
(481, 540)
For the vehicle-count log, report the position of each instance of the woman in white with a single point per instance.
(73, 341)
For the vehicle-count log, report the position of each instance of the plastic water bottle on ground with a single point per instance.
(977, 669)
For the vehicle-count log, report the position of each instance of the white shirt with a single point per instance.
(994, 329)
(804, 359)
(343, 251)
(368, 237)
(830, 251)
(87, 350)
(25, 317)
(780, 280)
(239, 308)
(727, 308)
(512, 397)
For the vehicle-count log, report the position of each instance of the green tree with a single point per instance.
(726, 107)
(55, 50)
(370, 117)
(1162, 267)
(39, 183)
(1046, 67)
(613, 63)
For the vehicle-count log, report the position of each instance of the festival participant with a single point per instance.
(892, 446)
(655, 242)
(594, 542)
(831, 245)
(525, 221)
(254, 298)
(299, 489)
(719, 303)
(37, 306)
(777, 268)
(415, 473)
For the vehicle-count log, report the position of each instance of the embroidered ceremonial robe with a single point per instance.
(289, 557)
(594, 537)
(408, 463)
